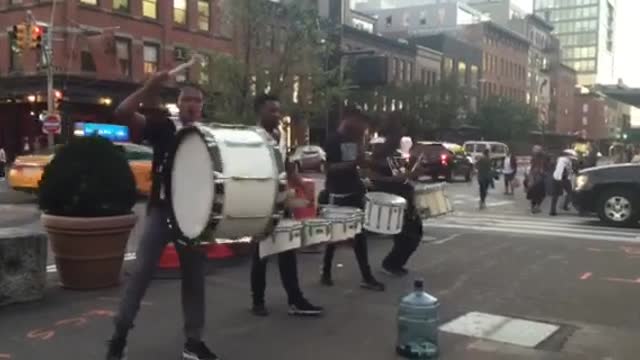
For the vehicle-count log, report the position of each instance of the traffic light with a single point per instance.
(20, 32)
(36, 37)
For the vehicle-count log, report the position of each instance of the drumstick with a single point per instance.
(188, 64)
(417, 162)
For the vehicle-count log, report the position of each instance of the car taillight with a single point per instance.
(444, 159)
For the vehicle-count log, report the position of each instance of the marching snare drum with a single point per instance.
(225, 178)
(384, 213)
(344, 221)
(287, 235)
(316, 231)
(431, 201)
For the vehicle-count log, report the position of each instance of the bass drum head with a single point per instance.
(192, 186)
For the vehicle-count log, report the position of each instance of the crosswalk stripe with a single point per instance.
(576, 228)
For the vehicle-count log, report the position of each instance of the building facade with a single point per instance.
(600, 116)
(97, 64)
(460, 61)
(562, 117)
(586, 29)
(505, 59)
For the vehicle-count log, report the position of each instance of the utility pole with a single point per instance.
(47, 51)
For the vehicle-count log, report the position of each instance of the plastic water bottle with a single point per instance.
(418, 324)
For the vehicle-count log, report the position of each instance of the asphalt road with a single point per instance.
(565, 271)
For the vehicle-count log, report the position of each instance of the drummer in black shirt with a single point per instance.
(392, 179)
(159, 130)
(268, 109)
(345, 188)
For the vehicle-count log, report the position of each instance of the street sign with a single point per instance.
(51, 124)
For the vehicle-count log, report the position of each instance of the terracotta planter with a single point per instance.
(89, 251)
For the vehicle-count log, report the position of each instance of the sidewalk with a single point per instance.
(468, 274)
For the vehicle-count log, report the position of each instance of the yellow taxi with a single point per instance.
(26, 171)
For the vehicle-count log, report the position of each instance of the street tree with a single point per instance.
(505, 119)
(283, 52)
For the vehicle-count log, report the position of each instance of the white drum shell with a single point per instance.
(431, 201)
(384, 213)
(286, 236)
(344, 221)
(316, 231)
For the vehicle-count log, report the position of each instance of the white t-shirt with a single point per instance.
(507, 165)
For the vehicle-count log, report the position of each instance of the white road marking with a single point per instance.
(448, 238)
(501, 328)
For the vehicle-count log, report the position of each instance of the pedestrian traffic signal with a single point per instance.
(36, 37)
(21, 36)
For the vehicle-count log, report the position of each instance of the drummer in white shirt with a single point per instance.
(562, 180)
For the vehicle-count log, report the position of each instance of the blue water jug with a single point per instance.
(418, 325)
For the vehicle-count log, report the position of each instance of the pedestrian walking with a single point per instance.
(484, 169)
(535, 179)
(562, 182)
(3, 163)
(160, 130)
(509, 171)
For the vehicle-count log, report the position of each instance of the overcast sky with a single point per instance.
(627, 54)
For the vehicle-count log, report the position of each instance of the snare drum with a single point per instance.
(287, 235)
(344, 221)
(384, 213)
(225, 178)
(431, 200)
(316, 231)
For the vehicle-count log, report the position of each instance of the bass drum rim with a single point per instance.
(174, 226)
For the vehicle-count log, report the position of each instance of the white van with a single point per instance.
(497, 150)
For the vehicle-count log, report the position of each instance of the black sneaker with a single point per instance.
(372, 284)
(117, 349)
(259, 310)
(197, 350)
(394, 272)
(305, 308)
(326, 280)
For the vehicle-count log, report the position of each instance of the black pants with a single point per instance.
(484, 188)
(288, 274)
(359, 242)
(405, 243)
(560, 187)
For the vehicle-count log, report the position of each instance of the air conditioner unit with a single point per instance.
(180, 53)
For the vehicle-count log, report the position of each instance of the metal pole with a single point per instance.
(49, 58)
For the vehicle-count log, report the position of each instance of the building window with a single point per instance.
(150, 9)
(585, 108)
(474, 76)
(585, 121)
(410, 70)
(394, 69)
(121, 5)
(389, 21)
(462, 73)
(205, 70)
(447, 66)
(123, 52)
(181, 54)
(180, 12)
(204, 14)
(151, 53)
(402, 70)
(89, 2)
(86, 60)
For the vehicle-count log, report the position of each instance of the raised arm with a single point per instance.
(147, 95)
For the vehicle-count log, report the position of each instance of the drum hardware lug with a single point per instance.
(250, 178)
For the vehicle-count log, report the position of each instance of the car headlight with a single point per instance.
(581, 182)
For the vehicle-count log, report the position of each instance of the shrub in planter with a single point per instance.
(87, 194)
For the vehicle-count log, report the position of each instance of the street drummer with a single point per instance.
(159, 130)
(269, 114)
(388, 178)
(345, 188)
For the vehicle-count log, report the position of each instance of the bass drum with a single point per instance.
(224, 181)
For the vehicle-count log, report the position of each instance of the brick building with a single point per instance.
(102, 50)
(505, 57)
(562, 117)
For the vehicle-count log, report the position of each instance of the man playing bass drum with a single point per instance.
(389, 176)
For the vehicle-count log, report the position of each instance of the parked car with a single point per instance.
(26, 171)
(497, 150)
(309, 158)
(611, 191)
(443, 159)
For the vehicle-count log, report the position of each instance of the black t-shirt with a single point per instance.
(160, 133)
(340, 149)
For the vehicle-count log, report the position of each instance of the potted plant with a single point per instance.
(86, 196)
